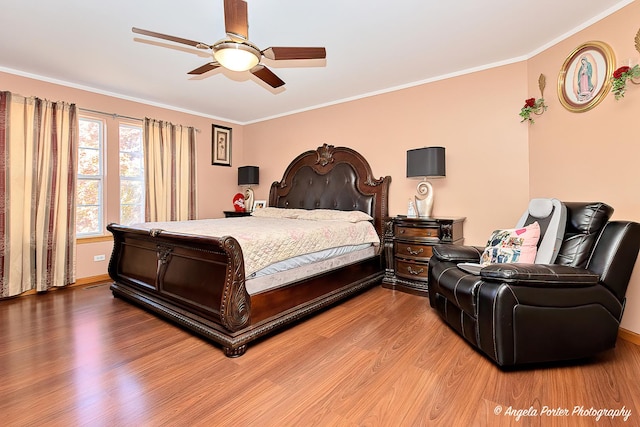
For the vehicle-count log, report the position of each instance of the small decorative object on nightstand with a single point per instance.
(408, 246)
(248, 176)
(427, 162)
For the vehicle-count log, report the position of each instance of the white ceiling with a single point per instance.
(372, 46)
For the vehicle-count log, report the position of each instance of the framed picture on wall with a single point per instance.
(585, 76)
(221, 146)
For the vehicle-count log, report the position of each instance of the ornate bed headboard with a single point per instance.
(336, 178)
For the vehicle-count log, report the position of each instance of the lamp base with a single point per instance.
(248, 200)
(424, 199)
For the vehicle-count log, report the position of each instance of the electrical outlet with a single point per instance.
(99, 258)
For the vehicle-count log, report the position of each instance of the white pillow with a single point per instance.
(312, 214)
(333, 215)
(270, 212)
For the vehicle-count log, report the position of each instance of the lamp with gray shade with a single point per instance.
(248, 175)
(427, 162)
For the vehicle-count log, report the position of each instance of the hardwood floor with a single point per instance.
(383, 358)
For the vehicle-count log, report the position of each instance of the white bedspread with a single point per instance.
(268, 240)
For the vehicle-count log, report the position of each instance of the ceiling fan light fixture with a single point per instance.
(236, 56)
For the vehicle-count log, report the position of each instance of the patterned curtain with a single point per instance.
(170, 171)
(38, 146)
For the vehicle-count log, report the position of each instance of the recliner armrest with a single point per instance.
(541, 275)
(457, 253)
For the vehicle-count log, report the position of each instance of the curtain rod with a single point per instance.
(115, 116)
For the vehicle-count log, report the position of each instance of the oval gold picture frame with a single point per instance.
(585, 76)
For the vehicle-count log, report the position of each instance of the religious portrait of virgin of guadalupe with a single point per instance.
(585, 84)
(583, 79)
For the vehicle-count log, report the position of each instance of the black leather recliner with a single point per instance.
(530, 313)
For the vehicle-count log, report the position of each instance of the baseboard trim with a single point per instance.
(92, 280)
(629, 336)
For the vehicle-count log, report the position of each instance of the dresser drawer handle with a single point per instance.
(415, 273)
(412, 252)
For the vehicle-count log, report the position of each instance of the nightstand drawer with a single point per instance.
(413, 250)
(412, 270)
(402, 232)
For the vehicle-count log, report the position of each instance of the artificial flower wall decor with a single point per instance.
(625, 74)
(620, 78)
(534, 106)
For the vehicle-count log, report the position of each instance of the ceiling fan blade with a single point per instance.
(295, 53)
(193, 43)
(203, 69)
(236, 22)
(267, 76)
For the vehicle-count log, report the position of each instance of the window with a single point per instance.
(131, 175)
(101, 197)
(90, 184)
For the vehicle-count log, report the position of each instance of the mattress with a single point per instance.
(302, 267)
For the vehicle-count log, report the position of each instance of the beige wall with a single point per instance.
(592, 155)
(494, 162)
(474, 116)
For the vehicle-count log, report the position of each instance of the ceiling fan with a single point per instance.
(235, 52)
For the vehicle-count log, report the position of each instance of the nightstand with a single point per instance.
(408, 247)
(235, 214)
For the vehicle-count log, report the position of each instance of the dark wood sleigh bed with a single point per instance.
(198, 282)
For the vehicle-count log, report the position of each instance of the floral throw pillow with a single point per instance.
(512, 245)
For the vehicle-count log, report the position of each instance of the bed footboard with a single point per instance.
(198, 283)
(191, 278)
